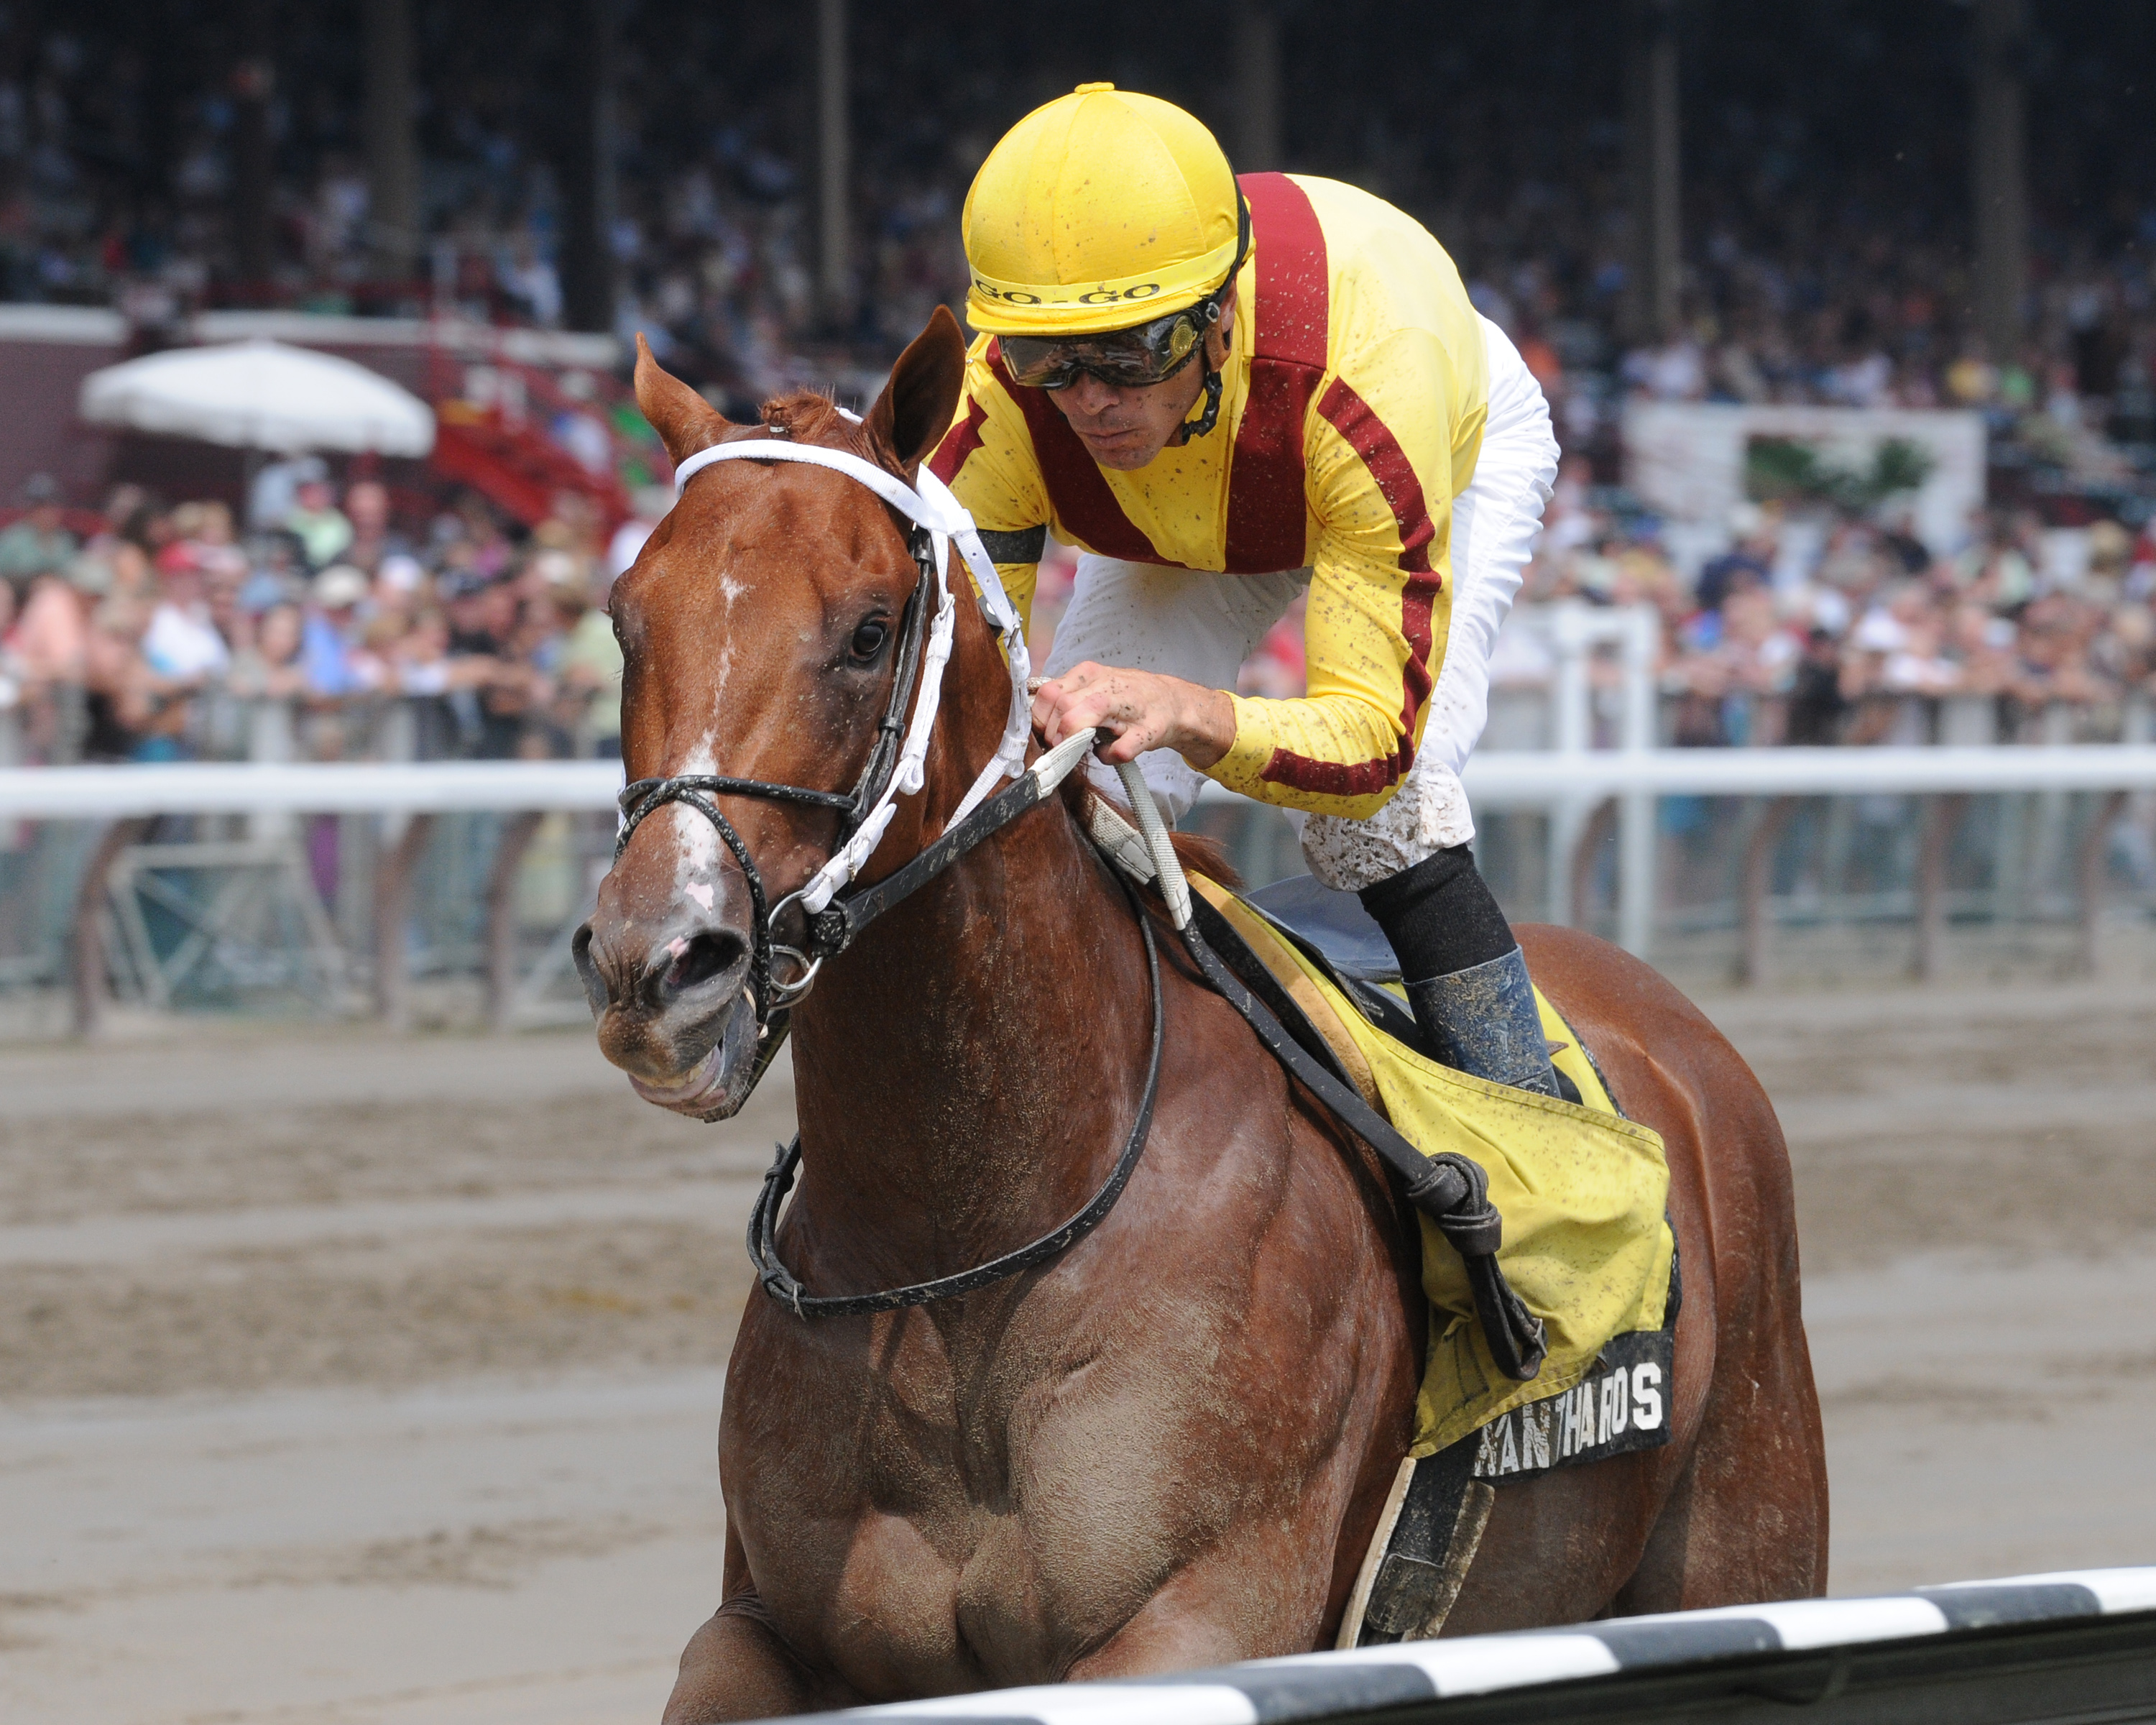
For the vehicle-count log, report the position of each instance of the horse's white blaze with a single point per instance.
(696, 840)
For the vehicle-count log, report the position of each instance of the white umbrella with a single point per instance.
(260, 395)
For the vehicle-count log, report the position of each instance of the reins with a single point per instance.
(836, 918)
(1450, 1189)
(763, 1219)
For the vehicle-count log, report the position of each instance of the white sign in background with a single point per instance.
(1685, 460)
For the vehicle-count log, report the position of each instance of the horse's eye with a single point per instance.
(869, 638)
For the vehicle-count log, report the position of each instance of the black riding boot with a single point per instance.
(1473, 1002)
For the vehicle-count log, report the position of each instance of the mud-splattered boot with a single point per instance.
(1483, 1021)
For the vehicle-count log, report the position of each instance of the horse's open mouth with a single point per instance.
(717, 1084)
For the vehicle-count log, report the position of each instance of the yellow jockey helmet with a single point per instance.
(1103, 209)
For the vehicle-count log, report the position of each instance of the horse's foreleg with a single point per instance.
(735, 1665)
(1264, 1589)
(1180, 1637)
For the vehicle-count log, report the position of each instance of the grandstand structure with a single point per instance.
(165, 153)
(1722, 235)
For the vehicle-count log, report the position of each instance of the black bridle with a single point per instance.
(780, 1283)
(647, 795)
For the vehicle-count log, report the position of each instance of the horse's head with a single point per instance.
(760, 630)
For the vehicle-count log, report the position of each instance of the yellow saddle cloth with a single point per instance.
(1581, 1189)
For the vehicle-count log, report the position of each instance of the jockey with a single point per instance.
(1223, 392)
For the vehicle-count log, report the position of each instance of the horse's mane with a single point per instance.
(1198, 854)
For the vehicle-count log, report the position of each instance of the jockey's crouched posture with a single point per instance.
(1223, 392)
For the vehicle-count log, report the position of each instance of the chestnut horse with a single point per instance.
(1168, 1447)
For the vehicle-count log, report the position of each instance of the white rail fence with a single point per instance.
(410, 796)
(2034, 1650)
(1582, 789)
(2031, 1651)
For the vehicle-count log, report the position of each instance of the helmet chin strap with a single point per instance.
(1211, 417)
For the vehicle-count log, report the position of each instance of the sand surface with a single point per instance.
(347, 1380)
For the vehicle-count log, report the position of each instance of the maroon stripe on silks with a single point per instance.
(1080, 497)
(1265, 506)
(959, 442)
(1370, 437)
(1336, 778)
(1291, 250)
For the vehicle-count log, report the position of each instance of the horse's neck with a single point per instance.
(968, 1070)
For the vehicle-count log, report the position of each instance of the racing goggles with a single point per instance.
(1123, 359)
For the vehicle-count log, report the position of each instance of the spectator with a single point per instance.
(39, 544)
(590, 668)
(483, 623)
(121, 698)
(652, 504)
(1817, 704)
(182, 644)
(269, 667)
(1750, 557)
(331, 634)
(322, 529)
(51, 637)
(367, 506)
(274, 490)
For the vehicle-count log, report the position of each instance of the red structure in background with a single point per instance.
(517, 435)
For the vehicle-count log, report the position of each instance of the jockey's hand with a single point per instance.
(1137, 710)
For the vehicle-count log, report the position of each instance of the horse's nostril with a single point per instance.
(704, 957)
(596, 993)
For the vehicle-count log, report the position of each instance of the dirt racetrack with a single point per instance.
(345, 1379)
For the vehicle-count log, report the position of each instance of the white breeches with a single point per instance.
(1202, 627)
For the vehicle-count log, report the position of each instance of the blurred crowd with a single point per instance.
(312, 629)
(1820, 266)
(713, 246)
(1813, 271)
(1820, 626)
(316, 628)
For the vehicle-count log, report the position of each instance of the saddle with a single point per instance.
(1333, 929)
(1586, 1245)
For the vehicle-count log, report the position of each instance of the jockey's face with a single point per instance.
(1125, 428)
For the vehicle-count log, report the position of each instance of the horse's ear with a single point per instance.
(685, 421)
(911, 416)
